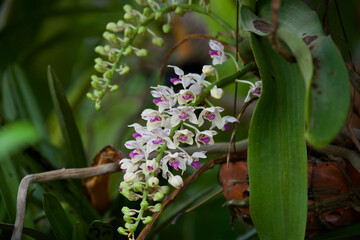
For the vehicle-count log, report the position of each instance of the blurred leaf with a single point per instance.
(10, 112)
(341, 234)
(15, 136)
(26, 231)
(72, 140)
(59, 222)
(321, 64)
(277, 149)
(100, 230)
(80, 231)
(9, 184)
(97, 188)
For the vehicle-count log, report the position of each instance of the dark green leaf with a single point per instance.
(73, 143)
(341, 234)
(26, 231)
(80, 231)
(59, 222)
(100, 230)
(277, 149)
(10, 112)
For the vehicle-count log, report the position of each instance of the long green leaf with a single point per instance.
(323, 69)
(277, 149)
(26, 231)
(80, 231)
(100, 230)
(59, 222)
(73, 143)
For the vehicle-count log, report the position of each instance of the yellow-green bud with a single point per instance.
(107, 48)
(208, 70)
(99, 68)
(138, 187)
(100, 50)
(125, 185)
(127, 8)
(180, 11)
(147, 220)
(125, 210)
(141, 52)
(158, 196)
(128, 32)
(111, 37)
(158, 41)
(153, 182)
(166, 28)
(122, 231)
(95, 84)
(108, 75)
(164, 189)
(112, 57)
(114, 88)
(120, 23)
(157, 207)
(94, 78)
(144, 205)
(158, 15)
(142, 30)
(99, 61)
(124, 69)
(128, 51)
(128, 16)
(98, 105)
(127, 218)
(111, 26)
(125, 193)
(90, 96)
(131, 227)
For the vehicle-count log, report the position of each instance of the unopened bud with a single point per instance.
(164, 189)
(166, 28)
(112, 56)
(94, 78)
(176, 181)
(95, 84)
(98, 105)
(144, 205)
(128, 32)
(99, 68)
(114, 88)
(124, 70)
(141, 52)
(90, 96)
(111, 37)
(147, 12)
(128, 51)
(131, 227)
(125, 193)
(158, 41)
(125, 185)
(127, 218)
(99, 61)
(125, 210)
(138, 187)
(128, 16)
(208, 70)
(122, 231)
(111, 26)
(158, 15)
(157, 207)
(127, 8)
(216, 93)
(100, 50)
(147, 220)
(158, 196)
(153, 181)
(108, 75)
(120, 23)
(180, 11)
(129, 177)
(142, 30)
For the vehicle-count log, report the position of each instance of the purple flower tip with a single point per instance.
(136, 135)
(205, 139)
(183, 116)
(196, 164)
(213, 53)
(150, 168)
(174, 80)
(156, 101)
(123, 170)
(175, 165)
(155, 119)
(133, 154)
(226, 127)
(181, 186)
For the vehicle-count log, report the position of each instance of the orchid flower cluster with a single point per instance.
(158, 147)
(121, 34)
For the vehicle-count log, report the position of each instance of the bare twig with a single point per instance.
(189, 37)
(210, 164)
(242, 110)
(50, 176)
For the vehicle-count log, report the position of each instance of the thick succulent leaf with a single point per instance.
(277, 149)
(73, 143)
(320, 63)
(100, 230)
(59, 222)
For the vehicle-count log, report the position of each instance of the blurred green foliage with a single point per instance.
(62, 34)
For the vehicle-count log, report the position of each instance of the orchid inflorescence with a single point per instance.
(174, 124)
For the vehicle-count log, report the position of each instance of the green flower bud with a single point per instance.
(98, 105)
(157, 207)
(99, 68)
(153, 181)
(114, 88)
(125, 210)
(127, 8)
(141, 52)
(128, 32)
(144, 205)
(111, 37)
(142, 30)
(107, 48)
(90, 96)
(125, 185)
(158, 196)
(128, 51)
(147, 220)
(131, 227)
(128, 16)
(120, 23)
(99, 61)
(111, 26)
(112, 57)
(94, 78)
(138, 187)
(127, 218)
(158, 15)
(100, 50)
(147, 12)
(124, 69)
(166, 28)
(95, 84)
(180, 11)
(125, 193)
(164, 189)
(122, 231)
(158, 41)
(108, 75)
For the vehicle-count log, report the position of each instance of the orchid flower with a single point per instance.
(181, 114)
(217, 52)
(255, 89)
(211, 114)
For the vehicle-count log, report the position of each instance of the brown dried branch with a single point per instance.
(210, 164)
(189, 37)
(50, 176)
(242, 110)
